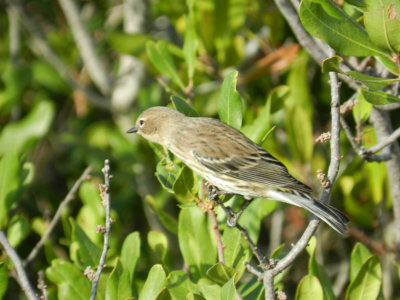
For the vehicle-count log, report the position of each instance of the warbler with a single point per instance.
(230, 161)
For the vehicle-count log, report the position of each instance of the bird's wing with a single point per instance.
(249, 163)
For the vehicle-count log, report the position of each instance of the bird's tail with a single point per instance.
(330, 215)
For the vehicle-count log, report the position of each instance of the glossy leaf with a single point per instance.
(359, 256)
(332, 64)
(162, 60)
(378, 97)
(228, 291)
(367, 283)
(236, 250)
(185, 186)
(17, 230)
(180, 285)
(221, 273)
(230, 107)
(88, 252)
(9, 183)
(183, 107)
(18, 136)
(130, 253)
(158, 243)
(70, 281)
(118, 284)
(154, 284)
(315, 269)
(309, 288)
(195, 242)
(382, 22)
(325, 20)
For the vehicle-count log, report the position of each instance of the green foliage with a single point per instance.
(195, 57)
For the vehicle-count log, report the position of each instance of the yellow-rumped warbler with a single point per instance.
(229, 160)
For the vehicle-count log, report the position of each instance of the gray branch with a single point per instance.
(23, 280)
(86, 47)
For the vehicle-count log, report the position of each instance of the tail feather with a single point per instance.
(330, 215)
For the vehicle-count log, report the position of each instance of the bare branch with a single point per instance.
(86, 47)
(220, 246)
(21, 274)
(383, 128)
(384, 143)
(105, 196)
(40, 46)
(68, 198)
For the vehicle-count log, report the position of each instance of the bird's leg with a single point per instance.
(232, 217)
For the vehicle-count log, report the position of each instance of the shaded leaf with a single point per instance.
(230, 107)
(18, 229)
(128, 43)
(180, 285)
(228, 291)
(70, 281)
(118, 284)
(309, 288)
(378, 97)
(154, 284)
(359, 255)
(367, 283)
(325, 20)
(130, 253)
(162, 60)
(183, 107)
(221, 273)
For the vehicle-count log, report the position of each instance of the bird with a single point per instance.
(230, 161)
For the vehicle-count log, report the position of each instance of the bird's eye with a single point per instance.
(141, 122)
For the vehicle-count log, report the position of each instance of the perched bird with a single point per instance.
(230, 161)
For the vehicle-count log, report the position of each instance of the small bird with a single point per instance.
(230, 161)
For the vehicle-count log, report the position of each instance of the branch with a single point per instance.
(105, 196)
(21, 274)
(332, 173)
(40, 46)
(383, 129)
(70, 196)
(84, 42)
(384, 143)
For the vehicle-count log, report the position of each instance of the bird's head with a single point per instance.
(154, 122)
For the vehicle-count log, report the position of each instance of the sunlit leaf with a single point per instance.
(154, 284)
(379, 97)
(309, 288)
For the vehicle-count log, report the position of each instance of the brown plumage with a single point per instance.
(229, 160)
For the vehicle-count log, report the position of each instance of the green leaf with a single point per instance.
(9, 183)
(230, 107)
(18, 136)
(88, 252)
(371, 82)
(180, 285)
(154, 285)
(190, 44)
(130, 253)
(221, 273)
(367, 283)
(158, 242)
(118, 284)
(359, 256)
(71, 283)
(309, 288)
(128, 43)
(209, 291)
(382, 23)
(228, 291)
(325, 20)
(183, 107)
(162, 60)
(167, 174)
(18, 229)
(332, 64)
(195, 241)
(166, 219)
(314, 268)
(184, 187)
(262, 123)
(378, 97)
(362, 110)
(3, 279)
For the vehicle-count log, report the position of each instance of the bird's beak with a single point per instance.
(132, 130)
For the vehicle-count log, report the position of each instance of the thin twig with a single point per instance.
(23, 281)
(105, 196)
(220, 245)
(384, 143)
(42, 286)
(68, 198)
(86, 47)
(41, 47)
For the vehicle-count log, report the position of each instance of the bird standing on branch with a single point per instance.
(230, 161)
